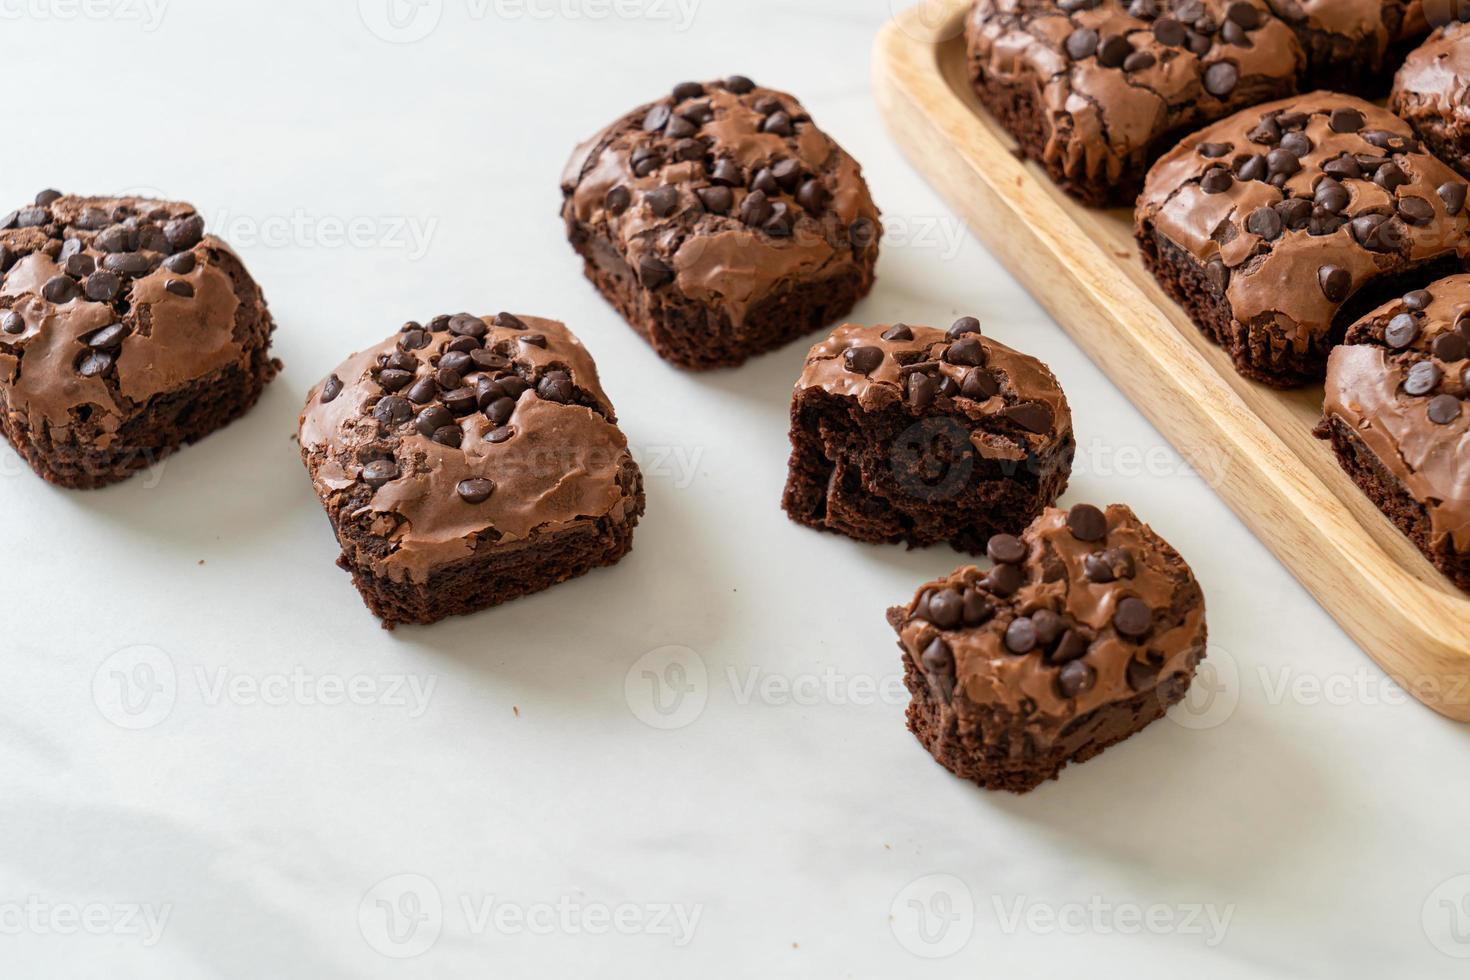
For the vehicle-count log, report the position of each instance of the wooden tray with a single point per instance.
(1082, 265)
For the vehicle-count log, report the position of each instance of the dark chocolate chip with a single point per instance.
(726, 172)
(1081, 43)
(1254, 168)
(978, 609)
(656, 118)
(94, 364)
(899, 333)
(423, 391)
(179, 287)
(1076, 679)
(1390, 177)
(1336, 282)
(1170, 32)
(946, 609)
(1346, 120)
(779, 123)
(47, 198)
(1133, 617)
(331, 389)
(813, 196)
(109, 337)
(1401, 331)
(739, 84)
(963, 326)
(617, 200)
(662, 201)
(1266, 223)
(967, 351)
(12, 322)
(716, 200)
(979, 385)
(502, 434)
(1453, 196)
(921, 391)
(60, 289)
(654, 272)
(1217, 181)
(1032, 416)
(1006, 549)
(1140, 61)
(1451, 347)
(1298, 144)
(500, 410)
(1422, 378)
(862, 360)
(1114, 51)
(180, 263)
(432, 419)
(1415, 210)
(393, 379)
(1005, 580)
(1221, 78)
(556, 387)
(1087, 523)
(380, 472)
(475, 491)
(1444, 409)
(1214, 151)
(1021, 636)
(1218, 273)
(461, 401)
(1419, 299)
(392, 410)
(1071, 646)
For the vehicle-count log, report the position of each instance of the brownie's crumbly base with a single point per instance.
(697, 337)
(165, 423)
(493, 575)
(1341, 64)
(1257, 350)
(991, 747)
(1443, 137)
(844, 477)
(1390, 496)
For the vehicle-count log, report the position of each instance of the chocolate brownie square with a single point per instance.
(125, 333)
(1279, 227)
(1086, 630)
(1397, 417)
(1352, 45)
(1094, 90)
(467, 463)
(1432, 92)
(721, 222)
(911, 434)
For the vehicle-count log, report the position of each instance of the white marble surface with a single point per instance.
(176, 743)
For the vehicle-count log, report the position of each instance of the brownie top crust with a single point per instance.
(1085, 608)
(725, 190)
(1400, 384)
(106, 302)
(1114, 76)
(462, 431)
(920, 368)
(1293, 206)
(1435, 79)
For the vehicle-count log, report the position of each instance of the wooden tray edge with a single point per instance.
(1408, 630)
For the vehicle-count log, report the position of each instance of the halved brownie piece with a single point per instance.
(1280, 226)
(1432, 91)
(468, 462)
(1086, 630)
(911, 434)
(125, 333)
(1397, 417)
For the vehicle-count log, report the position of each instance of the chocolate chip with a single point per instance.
(1453, 196)
(1031, 416)
(1214, 151)
(862, 360)
(60, 289)
(461, 401)
(79, 266)
(393, 379)
(1217, 181)
(921, 391)
(1415, 210)
(331, 389)
(392, 410)
(656, 118)
(1170, 32)
(103, 287)
(1244, 14)
(1368, 231)
(1422, 378)
(1401, 331)
(1332, 196)
(180, 263)
(662, 201)
(1142, 674)
(380, 472)
(423, 391)
(968, 351)
(1049, 626)
(1343, 168)
(680, 128)
(432, 419)
(500, 410)
(12, 322)
(33, 217)
(946, 609)
(1140, 61)
(1444, 409)
(813, 196)
(1390, 177)
(1281, 161)
(978, 609)
(964, 326)
(1346, 120)
(1298, 144)
(716, 200)
(779, 124)
(1081, 43)
(1218, 273)
(1266, 223)
(127, 263)
(1021, 636)
(1005, 580)
(179, 288)
(1221, 78)
(94, 364)
(1133, 617)
(502, 434)
(1254, 168)
(1451, 347)
(184, 233)
(1087, 523)
(1006, 549)
(1076, 679)
(1071, 646)
(1418, 300)
(726, 172)
(109, 337)
(739, 84)
(47, 197)
(979, 385)
(1103, 567)
(899, 333)
(475, 491)
(1336, 282)
(556, 387)
(654, 272)
(617, 200)
(1112, 52)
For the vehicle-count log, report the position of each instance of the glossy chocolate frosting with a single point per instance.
(1086, 608)
(726, 192)
(109, 302)
(1295, 206)
(464, 434)
(878, 366)
(1384, 385)
(1114, 77)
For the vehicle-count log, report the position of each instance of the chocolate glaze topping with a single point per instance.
(1085, 608)
(1400, 384)
(463, 433)
(723, 191)
(107, 302)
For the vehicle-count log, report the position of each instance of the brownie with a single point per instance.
(1094, 90)
(1351, 45)
(1432, 91)
(467, 463)
(1280, 226)
(911, 434)
(125, 333)
(1088, 627)
(721, 222)
(1395, 413)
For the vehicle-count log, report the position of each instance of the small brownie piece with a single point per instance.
(1095, 89)
(1351, 44)
(1397, 417)
(903, 433)
(721, 222)
(1085, 632)
(1280, 226)
(125, 333)
(467, 463)
(1432, 91)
